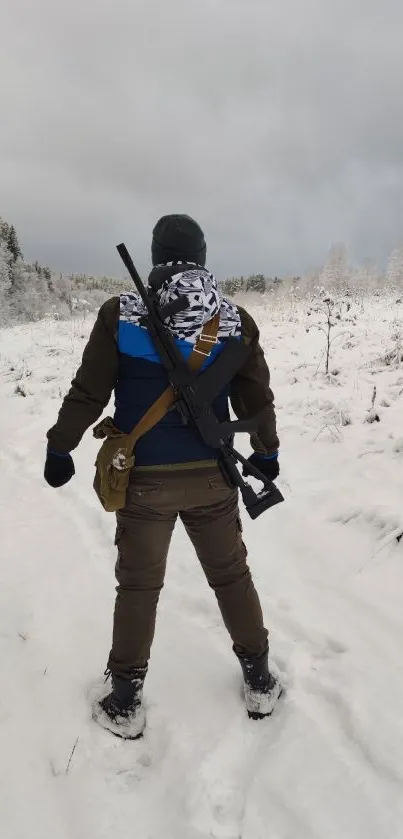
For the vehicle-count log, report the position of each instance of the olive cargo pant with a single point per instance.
(208, 509)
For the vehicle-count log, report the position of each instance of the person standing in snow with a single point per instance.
(176, 473)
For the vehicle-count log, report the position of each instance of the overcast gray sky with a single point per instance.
(277, 125)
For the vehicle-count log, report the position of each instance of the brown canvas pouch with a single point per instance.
(116, 457)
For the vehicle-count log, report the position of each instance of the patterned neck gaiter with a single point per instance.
(200, 288)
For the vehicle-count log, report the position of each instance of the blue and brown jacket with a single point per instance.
(120, 358)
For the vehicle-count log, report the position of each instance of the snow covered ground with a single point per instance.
(329, 567)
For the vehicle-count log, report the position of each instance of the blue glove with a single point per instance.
(59, 468)
(267, 464)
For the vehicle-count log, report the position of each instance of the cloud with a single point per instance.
(278, 126)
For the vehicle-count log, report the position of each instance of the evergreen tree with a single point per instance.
(256, 282)
(233, 286)
(5, 283)
(29, 292)
(9, 238)
(13, 244)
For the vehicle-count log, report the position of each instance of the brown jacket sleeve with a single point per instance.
(93, 383)
(250, 391)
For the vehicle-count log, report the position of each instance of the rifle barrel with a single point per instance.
(129, 264)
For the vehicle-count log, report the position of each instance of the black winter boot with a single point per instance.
(262, 689)
(122, 712)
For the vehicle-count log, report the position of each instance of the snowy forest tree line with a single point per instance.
(32, 291)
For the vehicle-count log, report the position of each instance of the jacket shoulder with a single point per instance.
(249, 328)
(109, 314)
(111, 308)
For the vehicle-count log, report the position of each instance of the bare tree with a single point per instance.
(335, 274)
(395, 270)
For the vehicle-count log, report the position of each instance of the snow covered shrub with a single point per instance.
(345, 418)
(394, 357)
(329, 313)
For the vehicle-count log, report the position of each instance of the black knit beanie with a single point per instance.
(178, 238)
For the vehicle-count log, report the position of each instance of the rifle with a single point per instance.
(195, 394)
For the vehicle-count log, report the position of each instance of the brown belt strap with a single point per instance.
(202, 350)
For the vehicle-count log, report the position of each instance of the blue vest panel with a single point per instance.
(141, 380)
